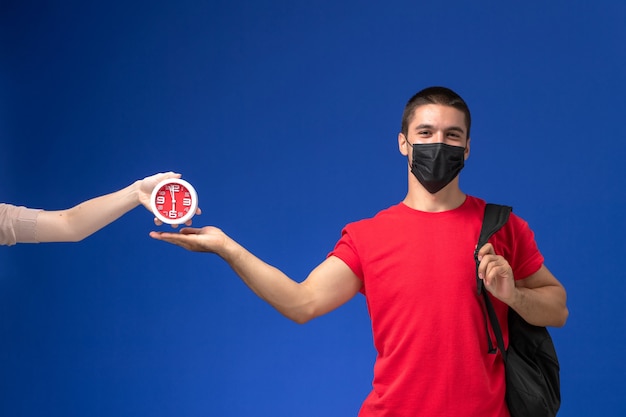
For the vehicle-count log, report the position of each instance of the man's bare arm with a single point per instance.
(539, 298)
(331, 284)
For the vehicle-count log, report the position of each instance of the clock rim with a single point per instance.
(192, 209)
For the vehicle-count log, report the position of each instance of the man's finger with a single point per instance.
(487, 249)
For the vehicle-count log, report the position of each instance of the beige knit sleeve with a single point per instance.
(17, 224)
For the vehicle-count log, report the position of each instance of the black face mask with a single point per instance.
(435, 165)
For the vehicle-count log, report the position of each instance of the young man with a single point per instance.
(20, 224)
(414, 264)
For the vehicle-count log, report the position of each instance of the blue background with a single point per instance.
(284, 116)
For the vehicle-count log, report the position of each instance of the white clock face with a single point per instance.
(174, 201)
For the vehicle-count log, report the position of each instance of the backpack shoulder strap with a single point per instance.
(495, 217)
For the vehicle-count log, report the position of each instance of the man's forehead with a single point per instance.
(436, 108)
(436, 113)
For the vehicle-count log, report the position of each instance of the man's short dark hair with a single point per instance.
(435, 95)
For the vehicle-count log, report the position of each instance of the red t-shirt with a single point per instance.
(419, 280)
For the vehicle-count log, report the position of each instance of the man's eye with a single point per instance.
(423, 132)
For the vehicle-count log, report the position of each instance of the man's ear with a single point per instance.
(403, 145)
(467, 149)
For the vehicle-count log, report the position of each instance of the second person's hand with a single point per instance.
(146, 186)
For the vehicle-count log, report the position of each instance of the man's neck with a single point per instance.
(449, 198)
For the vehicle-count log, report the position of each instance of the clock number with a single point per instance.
(172, 214)
(175, 187)
(187, 202)
(160, 199)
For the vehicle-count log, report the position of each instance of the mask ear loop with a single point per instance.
(407, 141)
(408, 160)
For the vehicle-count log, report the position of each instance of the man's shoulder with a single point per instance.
(383, 216)
(386, 213)
(475, 201)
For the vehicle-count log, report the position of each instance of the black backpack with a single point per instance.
(531, 365)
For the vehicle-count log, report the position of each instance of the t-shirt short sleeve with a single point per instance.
(346, 251)
(524, 255)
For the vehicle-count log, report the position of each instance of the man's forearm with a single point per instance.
(269, 283)
(544, 306)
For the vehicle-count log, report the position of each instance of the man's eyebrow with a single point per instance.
(423, 126)
(457, 129)
(451, 128)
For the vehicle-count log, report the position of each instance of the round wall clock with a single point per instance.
(174, 201)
